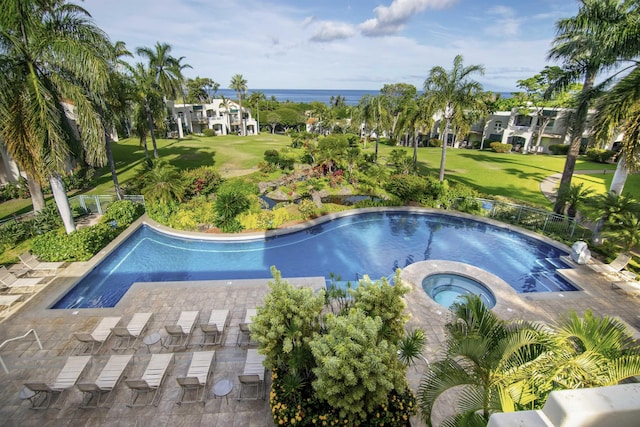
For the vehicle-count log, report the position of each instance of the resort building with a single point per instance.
(522, 129)
(221, 115)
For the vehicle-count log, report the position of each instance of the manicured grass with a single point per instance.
(511, 175)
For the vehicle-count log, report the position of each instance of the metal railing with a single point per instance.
(535, 219)
(35, 334)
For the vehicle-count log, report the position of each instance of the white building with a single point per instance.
(521, 128)
(220, 115)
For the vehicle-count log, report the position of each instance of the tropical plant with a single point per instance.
(590, 43)
(51, 55)
(199, 90)
(585, 352)
(163, 183)
(452, 92)
(239, 84)
(573, 197)
(396, 97)
(486, 359)
(608, 207)
(150, 107)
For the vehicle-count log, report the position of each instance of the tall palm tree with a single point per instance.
(239, 84)
(618, 111)
(114, 106)
(452, 92)
(148, 96)
(589, 43)
(51, 54)
(179, 66)
(487, 359)
(254, 102)
(164, 67)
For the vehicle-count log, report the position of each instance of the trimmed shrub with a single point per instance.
(499, 147)
(80, 245)
(307, 208)
(123, 212)
(409, 188)
(559, 149)
(435, 142)
(599, 156)
(209, 132)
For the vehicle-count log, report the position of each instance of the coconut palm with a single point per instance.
(485, 358)
(164, 67)
(163, 183)
(148, 97)
(254, 102)
(618, 111)
(51, 55)
(608, 206)
(590, 43)
(372, 113)
(452, 92)
(239, 84)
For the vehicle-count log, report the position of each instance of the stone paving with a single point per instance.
(26, 362)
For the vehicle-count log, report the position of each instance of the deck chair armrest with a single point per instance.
(137, 384)
(84, 337)
(188, 381)
(121, 331)
(174, 330)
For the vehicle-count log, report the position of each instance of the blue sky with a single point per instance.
(340, 44)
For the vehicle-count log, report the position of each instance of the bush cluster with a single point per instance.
(209, 132)
(499, 147)
(13, 233)
(599, 156)
(84, 243)
(559, 149)
(14, 190)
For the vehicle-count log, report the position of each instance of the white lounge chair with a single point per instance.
(34, 264)
(244, 335)
(128, 335)
(252, 376)
(101, 333)
(615, 267)
(9, 300)
(631, 287)
(215, 328)
(197, 377)
(151, 381)
(106, 382)
(180, 333)
(67, 377)
(10, 280)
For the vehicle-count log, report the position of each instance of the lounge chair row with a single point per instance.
(145, 390)
(178, 334)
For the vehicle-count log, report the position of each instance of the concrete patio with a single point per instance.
(26, 362)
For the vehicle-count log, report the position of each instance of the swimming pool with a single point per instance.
(446, 288)
(373, 243)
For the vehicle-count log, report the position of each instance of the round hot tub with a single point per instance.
(445, 288)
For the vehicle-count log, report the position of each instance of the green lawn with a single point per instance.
(512, 175)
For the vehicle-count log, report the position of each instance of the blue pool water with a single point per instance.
(445, 289)
(374, 243)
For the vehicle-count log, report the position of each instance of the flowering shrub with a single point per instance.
(308, 410)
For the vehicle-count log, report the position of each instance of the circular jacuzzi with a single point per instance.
(445, 288)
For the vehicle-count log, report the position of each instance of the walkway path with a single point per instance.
(549, 185)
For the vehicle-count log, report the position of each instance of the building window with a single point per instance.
(522, 120)
(497, 127)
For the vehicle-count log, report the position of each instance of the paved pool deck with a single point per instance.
(26, 362)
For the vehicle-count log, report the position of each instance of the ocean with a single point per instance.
(352, 97)
(305, 95)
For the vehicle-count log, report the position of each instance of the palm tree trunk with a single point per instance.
(152, 130)
(443, 157)
(112, 165)
(415, 150)
(60, 196)
(619, 177)
(576, 140)
(37, 198)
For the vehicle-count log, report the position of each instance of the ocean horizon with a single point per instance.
(351, 96)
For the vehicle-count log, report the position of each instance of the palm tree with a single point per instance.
(586, 352)
(148, 96)
(164, 67)
(487, 359)
(51, 54)
(590, 43)
(254, 102)
(114, 106)
(618, 111)
(239, 84)
(452, 92)
(163, 183)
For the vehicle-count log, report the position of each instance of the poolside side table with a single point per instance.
(222, 389)
(27, 394)
(150, 340)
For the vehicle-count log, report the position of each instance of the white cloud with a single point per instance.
(507, 23)
(327, 31)
(391, 19)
